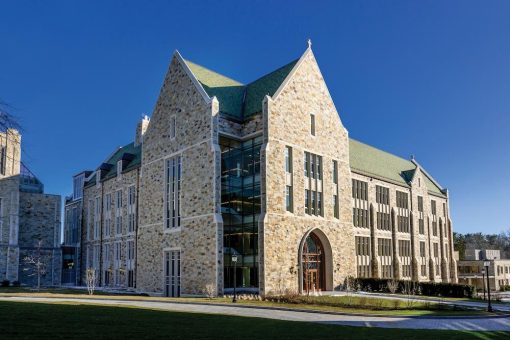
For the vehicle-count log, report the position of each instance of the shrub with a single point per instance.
(422, 288)
(5, 283)
(16, 284)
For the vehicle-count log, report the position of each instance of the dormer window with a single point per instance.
(78, 187)
(119, 168)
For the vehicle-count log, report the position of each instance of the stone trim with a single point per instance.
(190, 74)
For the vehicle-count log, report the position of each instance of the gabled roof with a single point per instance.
(370, 161)
(236, 99)
(129, 151)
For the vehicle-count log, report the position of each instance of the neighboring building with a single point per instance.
(27, 217)
(71, 248)
(265, 172)
(470, 269)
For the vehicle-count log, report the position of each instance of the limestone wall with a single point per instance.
(287, 123)
(196, 142)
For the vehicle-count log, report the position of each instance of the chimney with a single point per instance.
(141, 127)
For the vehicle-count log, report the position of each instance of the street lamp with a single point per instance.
(234, 259)
(487, 264)
(483, 282)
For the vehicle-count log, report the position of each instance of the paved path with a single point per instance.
(468, 323)
(503, 307)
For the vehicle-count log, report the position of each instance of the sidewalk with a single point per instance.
(496, 323)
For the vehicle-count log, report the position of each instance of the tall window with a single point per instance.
(363, 256)
(423, 261)
(78, 187)
(3, 159)
(433, 209)
(402, 212)
(173, 123)
(360, 209)
(312, 124)
(404, 251)
(118, 212)
(336, 208)
(131, 208)
(117, 249)
(313, 189)
(97, 218)
(421, 222)
(90, 222)
(436, 258)
(130, 262)
(382, 196)
(289, 206)
(173, 192)
(108, 215)
(384, 250)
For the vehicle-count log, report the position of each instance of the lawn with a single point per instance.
(340, 304)
(40, 320)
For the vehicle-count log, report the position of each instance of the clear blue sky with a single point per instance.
(429, 78)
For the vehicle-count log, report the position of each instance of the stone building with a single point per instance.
(259, 184)
(29, 219)
(473, 272)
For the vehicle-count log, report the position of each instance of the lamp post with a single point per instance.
(487, 264)
(234, 259)
(483, 282)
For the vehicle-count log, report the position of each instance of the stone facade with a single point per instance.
(182, 190)
(29, 219)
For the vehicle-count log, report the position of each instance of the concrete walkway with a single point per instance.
(496, 323)
(502, 307)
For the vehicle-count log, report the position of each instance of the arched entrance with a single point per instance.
(313, 264)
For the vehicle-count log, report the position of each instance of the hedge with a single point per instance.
(420, 288)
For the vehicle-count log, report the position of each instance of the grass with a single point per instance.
(339, 304)
(23, 320)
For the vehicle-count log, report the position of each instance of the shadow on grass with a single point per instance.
(40, 320)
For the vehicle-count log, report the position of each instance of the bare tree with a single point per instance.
(91, 280)
(392, 286)
(36, 264)
(209, 290)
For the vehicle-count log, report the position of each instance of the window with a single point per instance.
(422, 249)
(313, 174)
(363, 256)
(433, 207)
(108, 215)
(420, 204)
(382, 195)
(173, 192)
(90, 223)
(78, 187)
(436, 258)
(335, 172)
(118, 212)
(172, 271)
(312, 124)
(421, 226)
(288, 159)
(384, 246)
(402, 200)
(131, 208)
(3, 159)
(119, 168)
(404, 248)
(336, 212)
(402, 212)
(288, 198)
(288, 179)
(360, 209)
(97, 218)
(434, 228)
(173, 123)
(130, 250)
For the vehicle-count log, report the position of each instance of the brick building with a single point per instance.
(265, 173)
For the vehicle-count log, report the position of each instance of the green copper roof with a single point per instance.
(238, 100)
(130, 148)
(370, 161)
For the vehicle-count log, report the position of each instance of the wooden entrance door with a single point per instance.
(313, 265)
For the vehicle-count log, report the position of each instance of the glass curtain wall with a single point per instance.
(240, 208)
